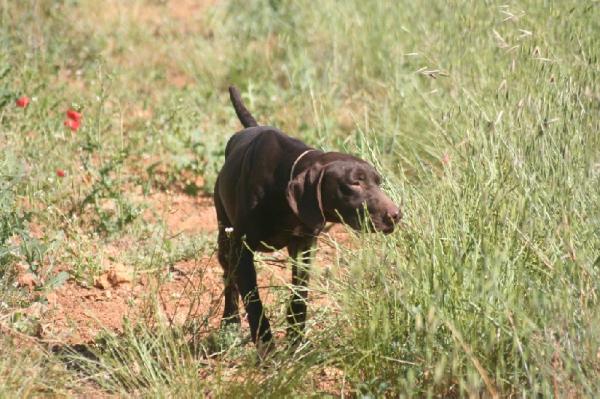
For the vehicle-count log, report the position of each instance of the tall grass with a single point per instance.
(482, 116)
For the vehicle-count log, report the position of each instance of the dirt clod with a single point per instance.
(102, 282)
(27, 280)
(119, 275)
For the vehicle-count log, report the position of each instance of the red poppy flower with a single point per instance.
(60, 173)
(72, 124)
(73, 115)
(22, 102)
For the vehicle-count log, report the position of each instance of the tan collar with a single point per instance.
(296, 162)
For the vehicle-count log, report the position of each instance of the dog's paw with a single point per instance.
(265, 348)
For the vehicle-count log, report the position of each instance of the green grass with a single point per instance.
(491, 286)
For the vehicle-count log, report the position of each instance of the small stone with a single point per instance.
(36, 310)
(52, 298)
(27, 280)
(119, 275)
(102, 282)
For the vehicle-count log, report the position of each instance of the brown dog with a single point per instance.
(273, 192)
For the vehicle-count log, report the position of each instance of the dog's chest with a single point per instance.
(284, 229)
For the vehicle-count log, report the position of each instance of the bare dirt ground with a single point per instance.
(76, 313)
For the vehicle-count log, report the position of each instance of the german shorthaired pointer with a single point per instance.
(273, 192)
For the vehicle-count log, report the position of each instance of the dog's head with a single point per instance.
(342, 188)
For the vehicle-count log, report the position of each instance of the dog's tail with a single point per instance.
(242, 112)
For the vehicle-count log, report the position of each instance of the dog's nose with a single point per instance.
(394, 215)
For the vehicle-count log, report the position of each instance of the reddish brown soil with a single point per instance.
(76, 313)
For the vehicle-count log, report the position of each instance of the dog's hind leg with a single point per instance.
(231, 313)
(245, 275)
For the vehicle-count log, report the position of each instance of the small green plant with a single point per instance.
(107, 198)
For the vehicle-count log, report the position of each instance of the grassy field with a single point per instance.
(483, 117)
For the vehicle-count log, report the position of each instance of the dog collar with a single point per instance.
(296, 162)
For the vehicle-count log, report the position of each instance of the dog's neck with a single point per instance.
(298, 158)
(301, 163)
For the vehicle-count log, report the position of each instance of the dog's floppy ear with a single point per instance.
(304, 197)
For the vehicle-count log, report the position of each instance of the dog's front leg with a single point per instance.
(300, 251)
(245, 275)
